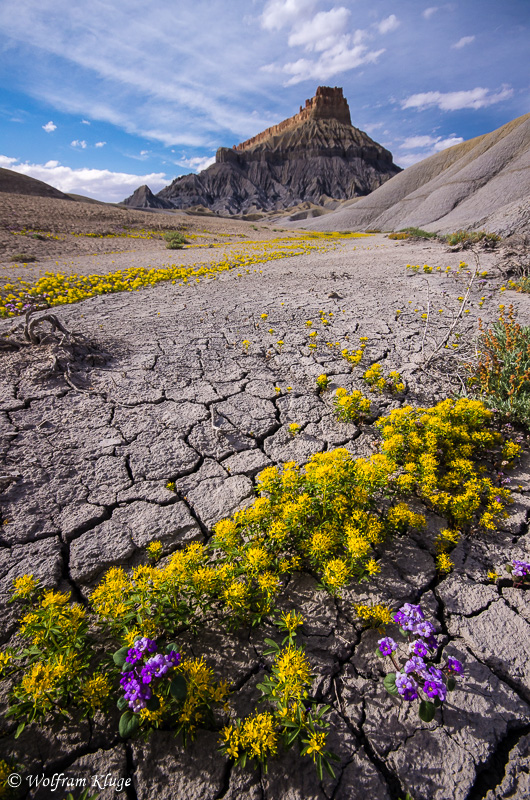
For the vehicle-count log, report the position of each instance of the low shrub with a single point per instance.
(468, 238)
(501, 378)
(175, 240)
(25, 258)
(418, 233)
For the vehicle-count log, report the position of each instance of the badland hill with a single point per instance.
(482, 183)
(316, 155)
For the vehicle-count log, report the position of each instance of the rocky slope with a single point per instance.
(314, 156)
(481, 183)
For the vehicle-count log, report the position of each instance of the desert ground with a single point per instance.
(177, 397)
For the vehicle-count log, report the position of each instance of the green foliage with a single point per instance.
(418, 233)
(468, 238)
(25, 258)
(175, 240)
(501, 377)
(291, 717)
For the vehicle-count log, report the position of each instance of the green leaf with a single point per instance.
(451, 684)
(426, 711)
(127, 667)
(120, 656)
(170, 647)
(129, 723)
(153, 704)
(318, 764)
(20, 728)
(122, 703)
(390, 683)
(178, 688)
(329, 769)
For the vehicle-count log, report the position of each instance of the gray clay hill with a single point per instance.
(482, 183)
(316, 156)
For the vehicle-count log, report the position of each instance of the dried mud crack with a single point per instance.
(182, 398)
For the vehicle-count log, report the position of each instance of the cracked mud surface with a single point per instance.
(179, 399)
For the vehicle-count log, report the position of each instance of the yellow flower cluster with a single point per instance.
(436, 453)
(374, 616)
(202, 692)
(352, 407)
(57, 288)
(95, 691)
(256, 737)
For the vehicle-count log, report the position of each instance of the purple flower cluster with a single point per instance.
(520, 569)
(416, 670)
(137, 682)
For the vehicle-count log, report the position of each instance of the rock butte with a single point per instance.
(316, 155)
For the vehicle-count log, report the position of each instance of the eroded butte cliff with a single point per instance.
(316, 155)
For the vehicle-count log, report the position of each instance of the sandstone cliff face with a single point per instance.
(313, 156)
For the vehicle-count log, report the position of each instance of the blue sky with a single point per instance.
(98, 98)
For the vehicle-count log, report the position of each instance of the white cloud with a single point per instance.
(454, 101)
(321, 32)
(85, 122)
(279, 13)
(197, 164)
(112, 187)
(428, 12)
(388, 24)
(100, 144)
(437, 143)
(6, 162)
(146, 152)
(339, 58)
(49, 127)
(79, 143)
(371, 127)
(428, 145)
(462, 42)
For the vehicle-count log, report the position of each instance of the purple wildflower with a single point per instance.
(406, 686)
(520, 569)
(415, 664)
(431, 642)
(424, 629)
(418, 648)
(454, 665)
(434, 673)
(435, 689)
(387, 645)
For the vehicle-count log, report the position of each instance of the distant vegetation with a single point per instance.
(467, 238)
(24, 258)
(175, 240)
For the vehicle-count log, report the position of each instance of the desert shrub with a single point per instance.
(501, 377)
(468, 238)
(399, 236)
(418, 233)
(25, 258)
(175, 240)
(373, 230)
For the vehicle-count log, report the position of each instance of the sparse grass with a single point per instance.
(25, 258)
(468, 238)
(418, 233)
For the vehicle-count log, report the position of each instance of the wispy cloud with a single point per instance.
(419, 147)
(428, 12)
(85, 122)
(436, 142)
(79, 143)
(49, 127)
(279, 13)
(462, 42)
(388, 24)
(102, 184)
(326, 33)
(454, 101)
(100, 144)
(197, 164)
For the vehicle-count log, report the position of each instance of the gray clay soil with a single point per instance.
(91, 492)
